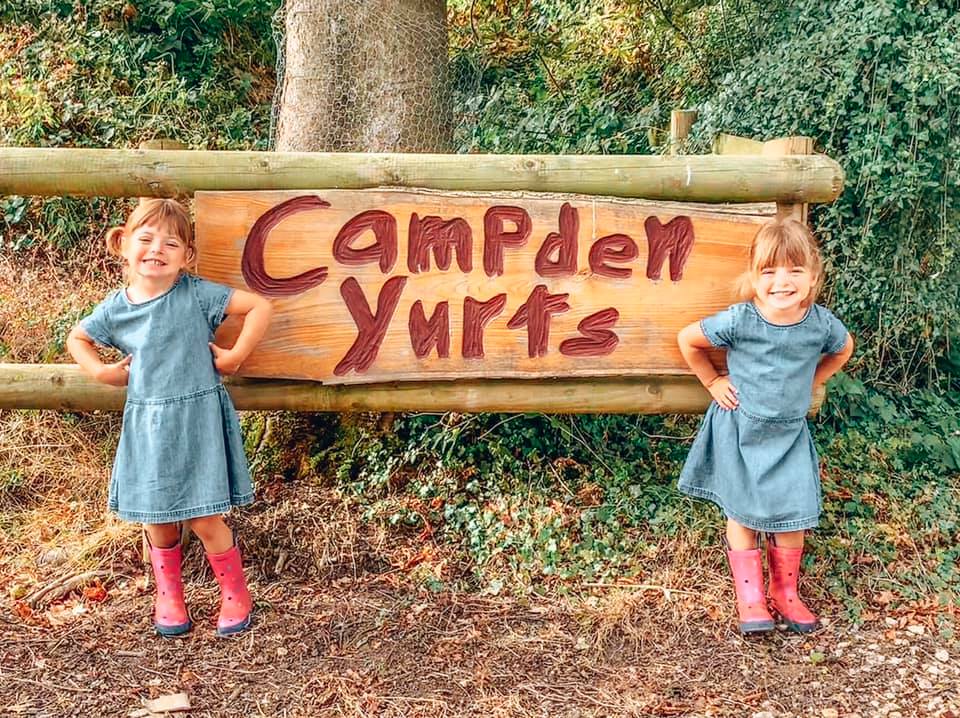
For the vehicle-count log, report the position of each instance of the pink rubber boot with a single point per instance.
(784, 566)
(747, 569)
(170, 617)
(235, 601)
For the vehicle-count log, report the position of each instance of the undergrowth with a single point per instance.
(537, 502)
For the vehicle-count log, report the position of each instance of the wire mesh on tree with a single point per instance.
(369, 75)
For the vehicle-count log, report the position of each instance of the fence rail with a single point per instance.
(168, 173)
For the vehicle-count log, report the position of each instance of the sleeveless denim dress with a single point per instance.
(758, 462)
(180, 454)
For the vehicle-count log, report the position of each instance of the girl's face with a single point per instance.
(155, 254)
(784, 288)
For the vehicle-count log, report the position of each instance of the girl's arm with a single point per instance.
(84, 352)
(831, 363)
(256, 312)
(693, 347)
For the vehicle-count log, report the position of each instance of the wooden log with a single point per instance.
(65, 387)
(794, 145)
(170, 173)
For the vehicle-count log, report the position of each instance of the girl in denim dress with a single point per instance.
(753, 455)
(180, 457)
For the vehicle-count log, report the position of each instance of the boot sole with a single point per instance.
(754, 627)
(794, 626)
(800, 627)
(170, 631)
(233, 630)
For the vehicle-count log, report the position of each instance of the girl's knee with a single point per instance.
(162, 535)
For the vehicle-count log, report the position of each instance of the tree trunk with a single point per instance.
(365, 76)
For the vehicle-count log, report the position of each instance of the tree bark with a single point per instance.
(365, 76)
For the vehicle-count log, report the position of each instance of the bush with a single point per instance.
(877, 86)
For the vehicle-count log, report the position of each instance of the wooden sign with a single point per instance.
(373, 286)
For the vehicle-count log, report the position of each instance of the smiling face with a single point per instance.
(155, 254)
(784, 272)
(784, 289)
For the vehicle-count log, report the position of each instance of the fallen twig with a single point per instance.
(62, 586)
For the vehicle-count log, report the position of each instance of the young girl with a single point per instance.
(180, 456)
(753, 455)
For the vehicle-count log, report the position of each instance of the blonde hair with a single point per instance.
(166, 213)
(782, 242)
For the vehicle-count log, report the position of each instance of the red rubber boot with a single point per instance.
(784, 566)
(747, 569)
(170, 617)
(235, 601)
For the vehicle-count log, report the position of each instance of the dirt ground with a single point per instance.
(363, 648)
(342, 629)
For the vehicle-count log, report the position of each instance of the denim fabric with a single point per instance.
(180, 454)
(757, 462)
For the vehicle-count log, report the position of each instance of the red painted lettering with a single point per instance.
(597, 339)
(675, 238)
(441, 236)
(617, 248)
(564, 243)
(496, 237)
(535, 315)
(425, 334)
(476, 316)
(384, 247)
(252, 264)
(371, 328)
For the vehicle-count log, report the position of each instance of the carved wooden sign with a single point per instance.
(400, 285)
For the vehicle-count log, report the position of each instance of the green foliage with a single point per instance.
(585, 77)
(877, 85)
(106, 74)
(539, 498)
(534, 500)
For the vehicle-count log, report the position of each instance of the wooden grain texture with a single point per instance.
(171, 173)
(312, 332)
(65, 387)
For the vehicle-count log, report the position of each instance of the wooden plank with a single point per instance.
(171, 173)
(314, 330)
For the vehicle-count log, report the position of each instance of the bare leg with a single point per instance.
(163, 535)
(740, 538)
(790, 539)
(213, 532)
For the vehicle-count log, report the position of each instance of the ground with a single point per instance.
(342, 629)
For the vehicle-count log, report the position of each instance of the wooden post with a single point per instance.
(795, 145)
(680, 123)
(162, 143)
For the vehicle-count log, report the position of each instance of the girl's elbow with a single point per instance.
(74, 338)
(848, 349)
(265, 306)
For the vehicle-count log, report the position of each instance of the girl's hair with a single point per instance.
(782, 242)
(166, 213)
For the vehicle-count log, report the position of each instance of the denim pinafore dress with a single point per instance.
(758, 462)
(180, 454)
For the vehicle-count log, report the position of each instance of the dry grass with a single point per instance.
(343, 629)
(40, 299)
